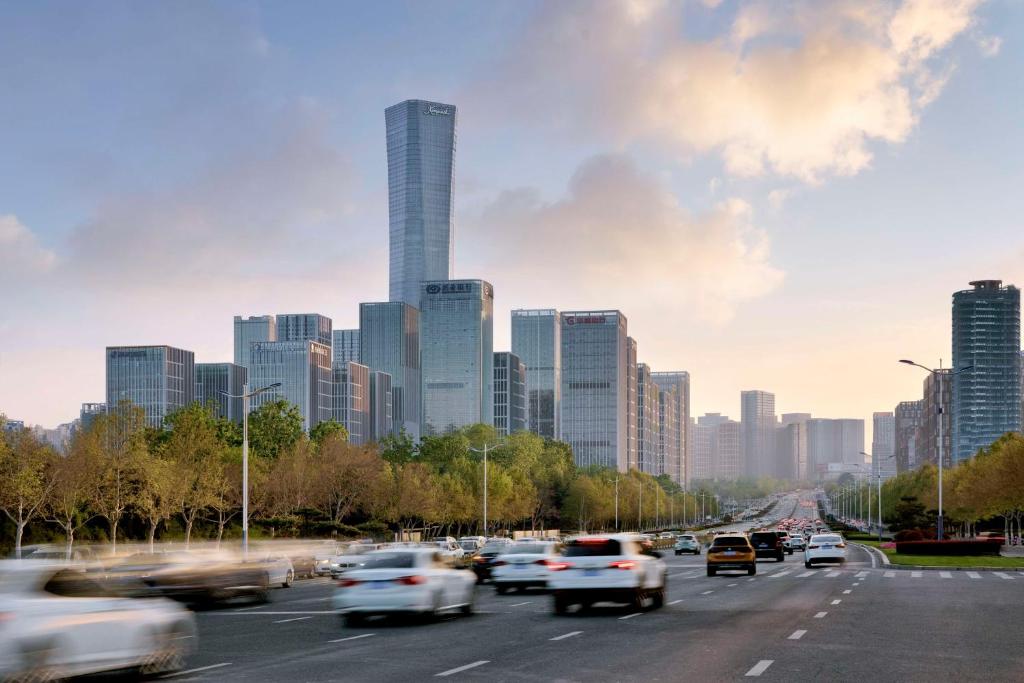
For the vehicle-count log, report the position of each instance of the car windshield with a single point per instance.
(762, 537)
(467, 545)
(729, 542)
(593, 548)
(390, 561)
(527, 548)
(687, 537)
(827, 539)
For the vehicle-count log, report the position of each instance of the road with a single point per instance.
(860, 622)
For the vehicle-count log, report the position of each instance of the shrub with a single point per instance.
(961, 548)
(909, 535)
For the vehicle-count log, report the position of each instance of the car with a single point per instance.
(687, 543)
(195, 578)
(614, 568)
(795, 543)
(731, 551)
(60, 621)
(784, 536)
(280, 571)
(825, 548)
(351, 556)
(449, 547)
(524, 565)
(768, 544)
(471, 544)
(485, 558)
(404, 580)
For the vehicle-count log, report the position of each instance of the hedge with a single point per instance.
(947, 547)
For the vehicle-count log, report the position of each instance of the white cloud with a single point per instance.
(20, 252)
(989, 46)
(777, 198)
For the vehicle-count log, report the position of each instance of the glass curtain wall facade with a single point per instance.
(632, 407)
(304, 370)
(89, 413)
(303, 326)
(757, 410)
(728, 453)
(381, 419)
(936, 419)
(256, 328)
(158, 379)
(678, 459)
(351, 406)
(909, 418)
(537, 340)
(986, 335)
(389, 342)
(647, 424)
(669, 433)
(457, 354)
(346, 346)
(509, 393)
(421, 158)
(214, 378)
(594, 391)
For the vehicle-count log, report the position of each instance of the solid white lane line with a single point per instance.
(520, 604)
(286, 621)
(760, 667)
(973, 575)
(675, 602)
(342, 640)
(465, 667)
(820, 615)
(630, 616)
(836, 602)
(847, 591)
(805, 575)
(915, 575)
(731, 585)
(570, 634)
(707, 592)
(262, 614)
(945, 575)
(195, 671)
(775, 576)
(797, 635)
(889, 575)
(1003, 575)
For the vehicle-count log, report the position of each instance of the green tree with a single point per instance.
(274, 428)
(195, 453)
(122, 448)
(398, 448)
(26, 478)
(325, 429)
(74, 480)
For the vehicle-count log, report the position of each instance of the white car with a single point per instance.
(59, 622)
(350, 557)
(615, 568)
(524, 565)
(825, 548)
(449, 547)
(795, 542)
(280, 571)
(404, 580)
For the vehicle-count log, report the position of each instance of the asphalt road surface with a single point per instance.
(857, 623)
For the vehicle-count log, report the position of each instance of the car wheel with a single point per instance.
(354, 620)
(697, 551)
(781, 557)
(712, 571)
(467, 609)
(752, 569)
(637, 602)
(807, 565)
(561, 605)
(500, 590)
(288, 578)
(678, 553)
(658, 597)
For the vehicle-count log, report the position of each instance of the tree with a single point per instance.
(325, 429)
(348, 476)
(226, 490)
(121, 449)
(74, 479)
(195, 453)
(26, 478)
(156, 497)
(274, 428)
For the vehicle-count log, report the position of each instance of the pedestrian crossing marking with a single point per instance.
(945, 575)
(1003, 575)
(974, 575)
(915, 575)
(889, 575)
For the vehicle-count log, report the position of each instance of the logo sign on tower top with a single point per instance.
(435, 110)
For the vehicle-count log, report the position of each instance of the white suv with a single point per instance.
(617, 568)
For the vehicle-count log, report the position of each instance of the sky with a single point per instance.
(778, 195)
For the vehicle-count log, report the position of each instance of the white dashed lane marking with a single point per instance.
(760, 667)
(820, 615)
(570, 634)
(466, 667)
(797, 635)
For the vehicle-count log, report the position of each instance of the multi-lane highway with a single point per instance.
(859, 622)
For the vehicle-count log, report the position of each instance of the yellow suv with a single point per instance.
(731, 551)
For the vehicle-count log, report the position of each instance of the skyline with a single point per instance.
(707, 213)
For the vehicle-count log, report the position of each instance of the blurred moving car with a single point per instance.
(471, 544)
(58, 621)
(351, 556)
(449, 547)
(731, 551)
(687, 543)
(795, 542)
(825, 549)
(616, 568)
(193, 578)
(483, 561)
(768, 544)
(784, 537)
(524, 565)
(280, 571)
(403, 580)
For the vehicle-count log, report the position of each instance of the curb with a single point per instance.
(875, 552)
(920, 567)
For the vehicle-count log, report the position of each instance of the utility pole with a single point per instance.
(484, 451)
(616, 502)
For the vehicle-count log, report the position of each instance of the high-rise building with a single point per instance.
(381, 420)
(346, 346)
(389, 341)
(936, 419)
(303, 326)
(303, 368)
(669, 450)
(883, 445)
(10, 425)
(986, 339)
(834, 446)
(421, 155)
(594, 401)
(677, 458)
(213, 380)
(700, 439)
(757, 415)
(537, 340)
(89, 413)
(351, 400)
(255, 328)
(793, 453)
(509, 393)
(728, 451)
(158, 379)
(632, 437)
(648, 426)
(457, 354)
(908, 417)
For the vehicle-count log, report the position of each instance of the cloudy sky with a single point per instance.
(779, 195)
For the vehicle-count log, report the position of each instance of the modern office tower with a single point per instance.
(457, 354)
(632, 437)
(303, 368)
(594, 401)
(883, 445)
(648, 426)
(728, 453)
(158, 379)
(13, 425)
(909, 417)
(537, 340)
(381, 420)
(89, 413)
(255, 328)
(834, 446)
(304, 326)
(389, 341)
(700, 439)
(214, 378)
(351, 402)
(345, 347)
(786, 450)
(509, 393)
(421, 155)
(794, 449)
(986, 338)
(678, 463)
(757, 414)
(670, 451)
(936, 419)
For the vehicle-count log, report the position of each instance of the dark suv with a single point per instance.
(768, 544)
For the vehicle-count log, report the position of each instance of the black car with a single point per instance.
(768, 544)
(483, 561)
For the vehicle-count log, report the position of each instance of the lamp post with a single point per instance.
(484, 451)
(616, 502)
(245, 396)
(937, 373)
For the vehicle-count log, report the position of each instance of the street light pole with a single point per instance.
(616, 502)
(484, 451)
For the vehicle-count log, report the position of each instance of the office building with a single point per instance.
(389, 342)
(255, 328)
(303, 367)
(345, 347)
(89, 413)
(936, 419)
(908, 418)
(509, 393)
(351, 402)
(793, 454)
(421, 155)
(158, 379)
(834, 446)
(537, 340)
(883, 445)
(699, 447)
(669, 451)
(728, 451)
(678, 458)
(648, 426)
(632, 437)
(986, 339)
(757, 415)
(213, 380)
(10, 425)
(457, 354)
(305, 326)
(594, 391)
(381, 420)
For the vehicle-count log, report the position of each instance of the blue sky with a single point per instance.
(778, 195)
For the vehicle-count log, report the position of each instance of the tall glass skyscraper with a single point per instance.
(647, 421)
(757, 415)
(678, 459)
(389, 341)
(346, 346)
(158, 379)
(255, 328)
(214, 378)
(986, 335)
(509, 393)
(352, 400)
(421, 154)
(457, 351)
(632, 407)
(304, 370)
(301, 326)
(537, 340)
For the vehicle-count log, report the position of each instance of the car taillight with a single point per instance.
(556, 566)
(622, 564)
(348, 583)
(498, 563)
(411, 580)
